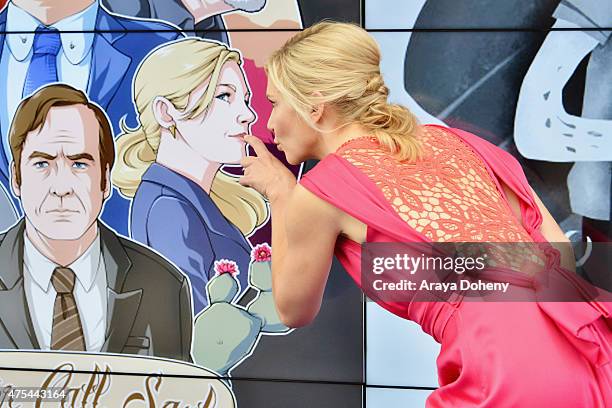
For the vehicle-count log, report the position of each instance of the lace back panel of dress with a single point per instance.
(447, 195)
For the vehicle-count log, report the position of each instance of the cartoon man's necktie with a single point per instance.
(67, 331)
(43, 66)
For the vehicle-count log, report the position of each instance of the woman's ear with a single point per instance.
(316, 113)
(317, 110)
(164, 111)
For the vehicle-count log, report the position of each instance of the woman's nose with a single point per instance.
(270, 126)
(247, 116)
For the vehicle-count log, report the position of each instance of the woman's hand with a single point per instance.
(265, 173)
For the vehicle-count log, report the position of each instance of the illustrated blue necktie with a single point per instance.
(43, 66)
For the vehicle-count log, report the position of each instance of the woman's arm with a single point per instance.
(553, 234)
(304, 233)
(549, 228)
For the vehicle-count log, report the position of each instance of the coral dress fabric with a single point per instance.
(493, 354)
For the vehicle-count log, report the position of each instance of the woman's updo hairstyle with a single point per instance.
(338, 64)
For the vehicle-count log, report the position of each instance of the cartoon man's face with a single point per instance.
(61, 173)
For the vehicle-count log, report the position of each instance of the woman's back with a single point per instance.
(446, 195)
(494, 353)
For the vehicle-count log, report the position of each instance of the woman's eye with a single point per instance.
(41, 165)
(225, 96)
(79, 165)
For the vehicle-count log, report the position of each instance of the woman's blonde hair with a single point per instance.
(174, 71)
(339, 64)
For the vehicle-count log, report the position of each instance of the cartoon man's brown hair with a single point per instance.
(32, 113)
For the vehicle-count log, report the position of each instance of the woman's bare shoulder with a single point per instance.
(306, 208)
(303, 203)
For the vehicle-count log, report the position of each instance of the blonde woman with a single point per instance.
(382, 177)
(193, 104)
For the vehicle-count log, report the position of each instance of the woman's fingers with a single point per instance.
(263, 172)
(247, 161)
(244, 181)
(258, 145)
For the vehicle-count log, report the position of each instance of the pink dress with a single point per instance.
(493, 354)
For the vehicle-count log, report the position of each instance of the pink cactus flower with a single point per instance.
(226, 266)
(261, 253)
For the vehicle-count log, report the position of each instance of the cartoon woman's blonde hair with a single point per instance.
(174, 71)
(338, 64)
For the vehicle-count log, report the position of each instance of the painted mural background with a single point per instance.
(493, 68)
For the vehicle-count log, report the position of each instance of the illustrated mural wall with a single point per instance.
(121, 125)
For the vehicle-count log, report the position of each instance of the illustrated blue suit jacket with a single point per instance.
(174, 216)
(120, 44)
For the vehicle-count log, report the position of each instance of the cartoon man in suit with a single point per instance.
(202, 16)
(68, 282)
(79, 43)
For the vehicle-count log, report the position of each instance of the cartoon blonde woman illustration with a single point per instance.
(193, 103)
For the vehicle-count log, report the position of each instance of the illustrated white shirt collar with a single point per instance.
(75, 45)
(85, 267)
